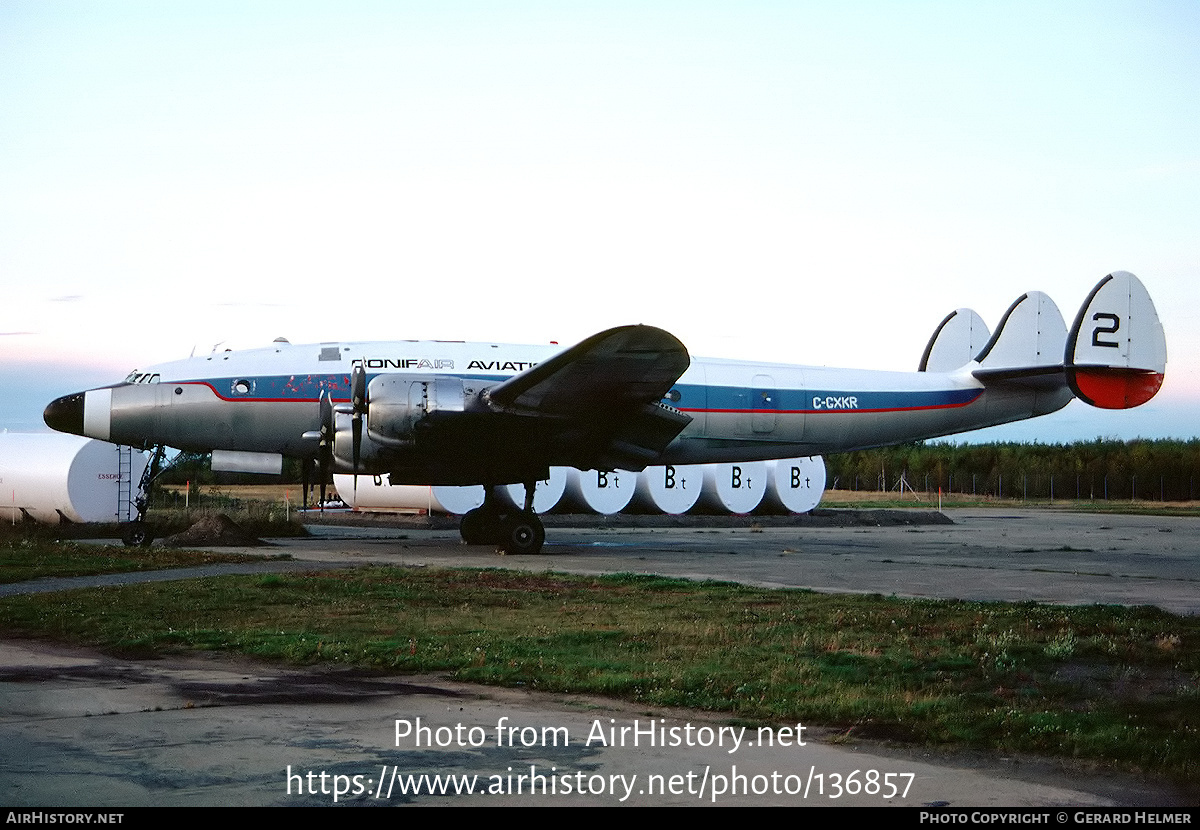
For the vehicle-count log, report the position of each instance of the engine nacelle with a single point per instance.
(396, 406)
(398, 403)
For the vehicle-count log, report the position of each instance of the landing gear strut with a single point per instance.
(139, 533)
(514, 532)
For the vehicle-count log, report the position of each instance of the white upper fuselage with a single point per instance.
(740, 410)
(454, 412)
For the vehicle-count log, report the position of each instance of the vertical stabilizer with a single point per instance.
(955, 342)
(1116, 354)
(1029, 338)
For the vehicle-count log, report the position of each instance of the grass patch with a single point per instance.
(30, 558)
(255, 518)
(1113, 684)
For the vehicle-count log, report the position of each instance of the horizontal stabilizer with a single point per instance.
(1028, 343)
(1116, 352)
(955, 342)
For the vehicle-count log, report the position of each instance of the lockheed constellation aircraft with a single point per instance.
(434, 412)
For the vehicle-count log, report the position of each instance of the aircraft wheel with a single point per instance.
(137, 535)
(479, 527)
(522, 533)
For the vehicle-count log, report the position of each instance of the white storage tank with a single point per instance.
(600, 492)
(377, 493)
(54, 476)
(546, 494)
(735, 488)
(795, 485)
(457, 499)
(671, 489)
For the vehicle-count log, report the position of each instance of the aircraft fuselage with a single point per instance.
(437, 412)
(266, 401)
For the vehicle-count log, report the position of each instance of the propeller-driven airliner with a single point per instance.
(436, 412)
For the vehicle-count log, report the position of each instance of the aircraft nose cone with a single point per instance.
(65, 414)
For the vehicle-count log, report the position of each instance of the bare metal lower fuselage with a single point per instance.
(625, 398)
(266, 402)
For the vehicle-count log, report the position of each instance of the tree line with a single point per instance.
(1166, 470)
(1155, 470)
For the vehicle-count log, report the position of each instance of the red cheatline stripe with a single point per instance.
(830, 411)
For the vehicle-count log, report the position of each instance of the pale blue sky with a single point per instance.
(801, 182)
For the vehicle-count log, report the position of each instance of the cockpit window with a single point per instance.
(142, 377)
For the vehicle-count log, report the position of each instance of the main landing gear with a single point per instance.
(514, 531)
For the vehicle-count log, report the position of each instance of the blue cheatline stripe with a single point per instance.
(301, 388)
(297, 388)
(733, 399)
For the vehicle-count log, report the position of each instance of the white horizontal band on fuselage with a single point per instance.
(97, 413)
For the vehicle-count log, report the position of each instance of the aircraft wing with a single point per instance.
(615, 369)
(607, 392)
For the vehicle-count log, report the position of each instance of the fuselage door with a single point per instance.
(764, 404)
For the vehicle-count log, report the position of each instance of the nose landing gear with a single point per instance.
(139, 533)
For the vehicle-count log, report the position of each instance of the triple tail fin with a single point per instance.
(1027, 346)
(1116, 352)
(1113, 357)
(955, 342)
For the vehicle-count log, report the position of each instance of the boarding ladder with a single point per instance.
(125, 507)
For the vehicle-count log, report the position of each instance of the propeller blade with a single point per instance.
(306, 468)
(356, 426)
(358, 388)
(325, 446)
(358, 400)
